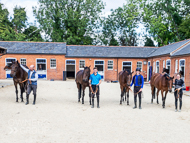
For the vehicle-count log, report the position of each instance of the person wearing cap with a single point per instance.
(32, 82)
(138, 82)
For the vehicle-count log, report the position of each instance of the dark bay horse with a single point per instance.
(163, 83)
(82, 81)
(125, 78)
(19, 75)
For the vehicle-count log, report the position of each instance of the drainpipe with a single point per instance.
(117, 69)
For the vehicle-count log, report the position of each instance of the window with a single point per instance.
(81, 64)
(41, 64)
(154, 67)
(110, 65)
(9, 61)
(127, 65)
(168, 63)
(182, 67)
(157, 66)
(53, 63)
(139, 65)
(23, 61)
(163, 64)
(176, 66)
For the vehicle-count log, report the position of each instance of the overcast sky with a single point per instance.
(110, 4)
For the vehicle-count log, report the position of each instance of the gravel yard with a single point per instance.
(57, 117)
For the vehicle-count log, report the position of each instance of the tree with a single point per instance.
(19, 20)
(184, 28)
(122, 23)
(72, 21)
(149, 42)
(162, 18)
(6, 31)
(33, 34)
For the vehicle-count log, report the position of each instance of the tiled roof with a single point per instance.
(109, 51)
(168, 48)
(183, 51)
(34, 47)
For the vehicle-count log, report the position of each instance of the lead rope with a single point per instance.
(137, 92)
(93, 91)
(177, 93)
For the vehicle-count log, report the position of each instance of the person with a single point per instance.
(94, 82)
(138, 82)
(179, 85)
(32, 82)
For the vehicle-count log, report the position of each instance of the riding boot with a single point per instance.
(176, 104)
(34, 102)
(140, 103)
(92, 103)
(98, 101)
(27, 102)
(135, 102)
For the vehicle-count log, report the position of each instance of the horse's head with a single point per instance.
(129, 76)
(170, 83)
(14, 68)
(7, 67)
(86, 74)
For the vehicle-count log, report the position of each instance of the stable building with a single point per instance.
(55, 60)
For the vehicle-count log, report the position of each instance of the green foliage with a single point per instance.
(72, 21)
(121, 24)
(6, 31)
(149, 42)
(163, 18)
(19, 20)
(33, 34)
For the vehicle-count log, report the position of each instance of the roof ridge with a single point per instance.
(180, 48)
(33, 42)
(175, 43)
(115, 46)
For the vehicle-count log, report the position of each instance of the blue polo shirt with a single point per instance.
(95, 78)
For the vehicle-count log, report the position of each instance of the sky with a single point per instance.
(28, 4)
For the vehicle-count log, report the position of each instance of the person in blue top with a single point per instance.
(94, 82)
(138, 82)
(32, 82)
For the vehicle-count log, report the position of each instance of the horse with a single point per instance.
(125, 78)
(82, 81)
(19, 77)
(163, 83)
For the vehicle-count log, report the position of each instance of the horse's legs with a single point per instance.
(121, 94)
(152, 89)
(83, 93)
(125, 94)
(157, 95)
(166, 92)
(21, 90)
(16, 90)
(128, 97)
(89, 96)
(79, 91)
(162, 92)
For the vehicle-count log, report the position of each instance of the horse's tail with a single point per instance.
(153, 92)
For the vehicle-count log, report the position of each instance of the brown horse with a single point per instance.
(125, 78)
(163, 83)
(82, 81)
(19, 75)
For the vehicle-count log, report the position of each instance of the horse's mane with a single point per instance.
(25, 66)
(129, 72)
(166, 70)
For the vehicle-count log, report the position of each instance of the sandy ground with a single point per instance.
(58, 117)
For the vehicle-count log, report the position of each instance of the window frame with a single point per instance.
(157, 66)
(141, 64)
(176, 66)
(55, 63)
(109, 65)
(22, 59)
(79, 64)
(170, 65)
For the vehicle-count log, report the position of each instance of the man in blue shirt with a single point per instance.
(138, 82)
(94, 82)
